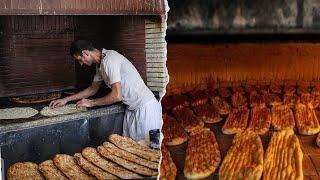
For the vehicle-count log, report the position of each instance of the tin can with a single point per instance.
(154, 136)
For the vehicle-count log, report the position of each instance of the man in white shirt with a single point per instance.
(143, 111)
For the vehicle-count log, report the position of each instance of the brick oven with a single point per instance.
(34, 59)
(218, 50)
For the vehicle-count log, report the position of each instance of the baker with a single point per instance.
(143, 111)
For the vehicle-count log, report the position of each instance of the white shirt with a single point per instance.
(114, 67)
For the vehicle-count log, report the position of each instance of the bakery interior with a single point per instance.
(222, 48)
(36, 68)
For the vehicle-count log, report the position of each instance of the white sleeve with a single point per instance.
(113, 71)
(97, 77)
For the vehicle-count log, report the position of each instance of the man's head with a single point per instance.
(83, 51)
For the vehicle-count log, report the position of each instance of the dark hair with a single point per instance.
(78, 46)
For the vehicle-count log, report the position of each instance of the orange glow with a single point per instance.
(194, 65)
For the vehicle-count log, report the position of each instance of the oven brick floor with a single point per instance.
(311, 159)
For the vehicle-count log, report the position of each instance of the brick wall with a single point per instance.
(156, 54)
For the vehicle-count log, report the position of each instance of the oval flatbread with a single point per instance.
(67, 109)
(17, 113)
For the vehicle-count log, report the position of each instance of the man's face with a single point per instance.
(84, 58)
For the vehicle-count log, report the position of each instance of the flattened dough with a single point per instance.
(67, 109)
(17, 113)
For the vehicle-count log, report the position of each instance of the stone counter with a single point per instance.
(41, 139)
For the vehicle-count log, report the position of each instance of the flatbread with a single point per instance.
(207, 113)
(272, 99)
(236, 121)
(238, 100)
(173, 132)
(221, 105)
(92, 169)
(260, 120)
(187, 119)
(180, 99)
(283, 158)
(168, 170)
(67, 109)
(94, 157)
(202, 155)
(126, 164)
(68, 165)
(291, 100)
(24, 170)
(17, 113)
(309, 99)
(128, 156)
(306, 119)
(256, 99)
(198, 98)
(50, 171)
(244, 159)
(282, 117)
(133, 147)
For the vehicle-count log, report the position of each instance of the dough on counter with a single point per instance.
(17, 113)
(67, 109)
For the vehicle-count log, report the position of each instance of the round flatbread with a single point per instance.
(67, 109)
(17, 113)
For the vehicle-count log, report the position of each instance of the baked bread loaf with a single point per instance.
(24, 170)
(50, 171)
(128, 156)
(68, 165)
(282, 117)
(238, 100)
(187, 119)
(236, 121)
(202, 155)
(291, 100)
(168, 170)
(272, 99)
(256, 99)
(309, 100)
(283, 158)
(260, 120)
(92, 169)
(207, 113)
(306, 119)
(221, 105)
(134, 167)
(244, 159)
(94, 157)
(129, 145)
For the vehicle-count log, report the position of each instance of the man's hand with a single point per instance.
(57, 103)
(84, 103)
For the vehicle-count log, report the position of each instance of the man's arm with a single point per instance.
(90, 91)
(114, 96)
